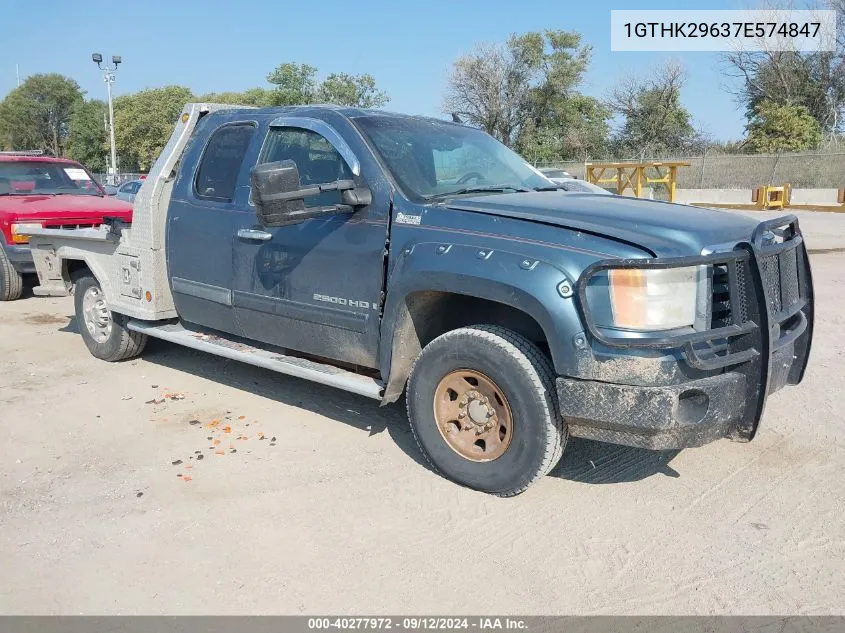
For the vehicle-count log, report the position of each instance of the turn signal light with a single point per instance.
(20, 232)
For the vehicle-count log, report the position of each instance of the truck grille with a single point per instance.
(722, 312)
(88, 225)
(780, 279)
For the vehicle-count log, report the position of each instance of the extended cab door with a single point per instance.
(201, 220)
(313, 286)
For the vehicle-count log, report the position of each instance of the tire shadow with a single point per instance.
(591, 462)
(72, 326)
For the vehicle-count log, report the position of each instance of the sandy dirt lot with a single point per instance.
(339, 514)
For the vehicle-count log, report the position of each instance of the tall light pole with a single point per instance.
(108, 77)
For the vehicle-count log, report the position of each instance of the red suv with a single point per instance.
(49, 192)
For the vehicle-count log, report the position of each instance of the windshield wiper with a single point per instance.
(551, 188)
(478, 189)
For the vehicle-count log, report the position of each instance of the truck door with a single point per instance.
(313, 286)
(201, 219)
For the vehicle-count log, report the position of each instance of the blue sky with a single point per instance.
(408, 47)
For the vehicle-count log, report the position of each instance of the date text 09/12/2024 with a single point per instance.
(417, 623)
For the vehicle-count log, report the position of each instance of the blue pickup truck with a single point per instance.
(388, 254)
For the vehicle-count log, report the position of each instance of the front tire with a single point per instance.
(11, 281)
(482, 408)
(104, 332)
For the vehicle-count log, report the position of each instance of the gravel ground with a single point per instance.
(146, 487)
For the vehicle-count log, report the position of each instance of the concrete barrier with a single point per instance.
(714, 196)
(812, 197)
(806, 197)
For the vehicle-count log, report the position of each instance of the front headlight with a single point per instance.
(20, 230)
(650, 299)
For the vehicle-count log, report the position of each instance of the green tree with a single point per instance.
(525, 94)
(143, 123)
(490, 88)
(36, 115)
(584, 125)
(87, 139)
(654, 121)
(18, 127)
(779, 127)
(351, 90)
(813, 80)
(295, 84)
(259, 97)
(574, 128)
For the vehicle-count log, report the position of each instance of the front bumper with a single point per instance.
(659, 418)
(763, 345)
(20, 257)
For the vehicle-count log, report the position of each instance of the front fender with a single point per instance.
(525, 283)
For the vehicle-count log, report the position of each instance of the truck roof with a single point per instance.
(320, 109)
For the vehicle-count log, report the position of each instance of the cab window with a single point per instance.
(316, 159)
(218, 172)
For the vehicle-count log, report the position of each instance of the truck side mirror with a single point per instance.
(280, 198)
(357, 197)
(276, 191)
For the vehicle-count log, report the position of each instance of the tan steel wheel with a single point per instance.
(473, 415)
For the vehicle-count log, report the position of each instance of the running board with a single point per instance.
(274, 361)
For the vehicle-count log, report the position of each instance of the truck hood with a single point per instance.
(65, 207)
(665, 229)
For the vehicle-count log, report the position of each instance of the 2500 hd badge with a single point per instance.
(352, 303)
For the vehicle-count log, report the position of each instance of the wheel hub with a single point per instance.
(473, 416)
(479, 412)
(96, 314)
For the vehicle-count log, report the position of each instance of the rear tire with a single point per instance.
(11, 281)
(104, 332)
(482, 406)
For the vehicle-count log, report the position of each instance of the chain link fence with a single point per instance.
(747, 171)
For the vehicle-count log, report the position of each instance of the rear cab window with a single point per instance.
(217, 175)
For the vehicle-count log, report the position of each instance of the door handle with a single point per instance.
(254, 234)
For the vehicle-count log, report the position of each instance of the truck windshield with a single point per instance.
(40, 177)
(434, 159)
